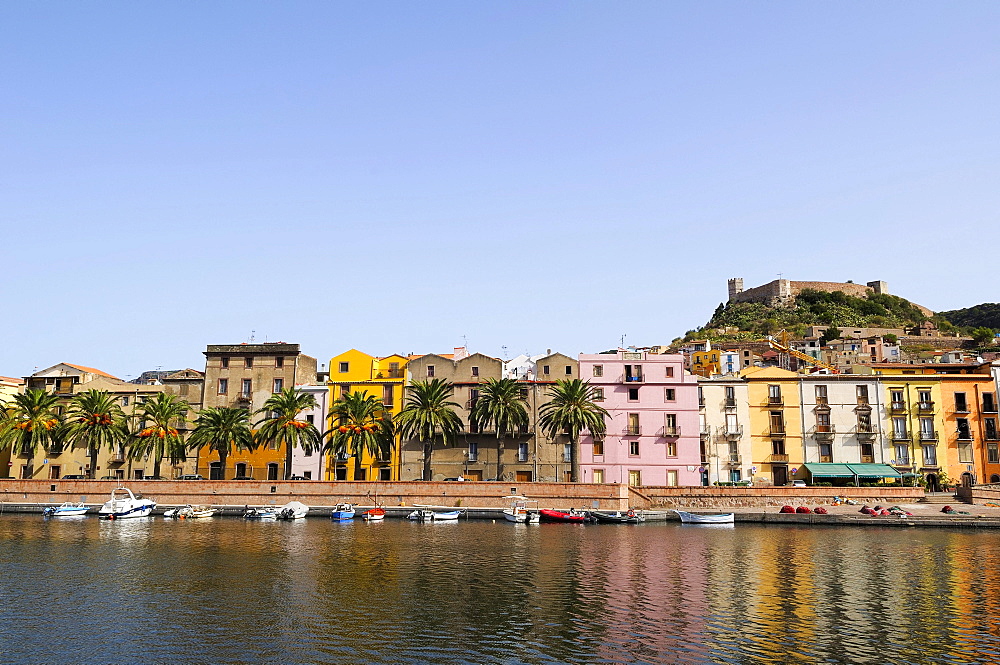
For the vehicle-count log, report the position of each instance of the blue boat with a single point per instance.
(343, 512)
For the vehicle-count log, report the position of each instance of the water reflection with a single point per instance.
(229, 590)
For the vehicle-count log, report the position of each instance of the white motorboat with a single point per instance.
(343, 512)
(293, 510)
(263, 513)
(124, 504)
(520, 511)
(426, 515)
(701, 518)
(68, 509)
(190, 512)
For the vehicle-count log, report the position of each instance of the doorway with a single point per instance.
(780, 474)
(272, 471)
(55, 472)
(933, 484)
(522, 476)
(215, 471)
(474, 474)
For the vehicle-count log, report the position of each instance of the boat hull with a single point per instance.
(698, 518)
(432, 516)
(630, 517)
(547, 515)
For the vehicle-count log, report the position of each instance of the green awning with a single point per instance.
(874, 471)
(829, 470)
(834, 470)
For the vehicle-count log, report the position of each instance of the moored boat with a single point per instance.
(519, 511)
(427, 515)
(343, 512)
(263, 513)
(124, 504)
(293, 510)
(701, 518)
(376, 514)
(618, 517)
(572, 515)
(68, 509)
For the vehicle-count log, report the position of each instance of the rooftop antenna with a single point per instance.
(623, 340)
(504, 350)
(252, 336)
(465, 341)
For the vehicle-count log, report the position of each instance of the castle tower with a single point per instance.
(735, 287)
(881, 288)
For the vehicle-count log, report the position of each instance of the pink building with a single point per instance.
(311, 466)
(653, 433)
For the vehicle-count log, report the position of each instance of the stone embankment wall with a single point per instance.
(759, 497)
(980, 494)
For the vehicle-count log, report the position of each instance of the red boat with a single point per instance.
(562, 516)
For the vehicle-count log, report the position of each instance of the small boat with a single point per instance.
(68, 509)
(124, 504)
(572, 515)
(343, 512)
(189, 512)
(519, 512)
(293, 510)
(427, 515)
(376, 514)
(700, 518)
(263, 513)
(618, 517)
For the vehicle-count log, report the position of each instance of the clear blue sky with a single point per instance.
(403, 176)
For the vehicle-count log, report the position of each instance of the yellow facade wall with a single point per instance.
(773, 460)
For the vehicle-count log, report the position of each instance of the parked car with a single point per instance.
(111, 478)
(243, 478)
(298, 478)
(799, 483)
(74, 476)
(192, 476)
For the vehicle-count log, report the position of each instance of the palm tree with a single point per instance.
(95, 421)
(501, 406)
(427, 414)
(280, 427)
(223, 429)
(572, 409)
(360, 423)
(29, 421)
(159, 437)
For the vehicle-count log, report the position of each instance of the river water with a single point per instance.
(225, 590)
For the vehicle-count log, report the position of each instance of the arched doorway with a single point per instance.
(994, 479)
(931, 482)
(967, 479)
(272, 471)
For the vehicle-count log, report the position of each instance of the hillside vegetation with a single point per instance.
(754, 320)
(985, 315)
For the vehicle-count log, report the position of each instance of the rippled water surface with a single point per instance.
(229, 591)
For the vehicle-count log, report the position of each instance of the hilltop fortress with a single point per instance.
(782, 292)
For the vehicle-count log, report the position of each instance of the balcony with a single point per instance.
(778, 458)
(925, 406)
(824, 432)
(632, 431)
(898, 407)
(630, 378)
(866, 432)
(898, 435)
(961, 408)
(244, 398)
(706, 430)
(668, 432)
(775, 401)
(965, 435)
(733, 460)
(116, 457)
(928, 435)
(730, 403)
(776, 431)
(867, 459)
(391, 374)
(701, 401)
(734, 431)
(989, 407)
(992, 435)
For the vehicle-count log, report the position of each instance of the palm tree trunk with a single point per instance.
(156, 466)
(499, 458)
(288, 460)
(574, 460)
(93, 462)
(428, 451)
(222, 463)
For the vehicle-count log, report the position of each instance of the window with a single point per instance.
(964, 433)
(671, 478)
(344, 368)
(279, 361)
(669, 394)
(522, 452)
(635, 478)
(125, 400)
(633, 425)
(989, 403)
(430, 371)
(475, 371)
(272, 471)
(899, 429)
(598, 394)
(223, 386)
(825, 452)
(670, 371)
(823, 422)
(248, 362)
(821, 395)
(896, 399)
(567, 452)
(345, 388)
(633, 447)
(965, 452)
(598, 446)
(387, 394)
(777, 423)
(247, 388)
(927, 432)
(902, 455)
(598, 475)
(865, 422)
(278, 385)
(633, 394)
(862, 394)
(867, 453)
(633, 373)
(670, 425)
(993, 453)
(730, 396)
(990, 425)
(774, 394)
(777, 446)
(672, 449)
(311, 419)
(598, 370)
(308, 475)
(524, 393)
(473, 451)
(545, 370)
(930, 455)
(224, 362)
(960, 404)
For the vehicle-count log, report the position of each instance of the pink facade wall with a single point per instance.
(653, 460)
(311, 466)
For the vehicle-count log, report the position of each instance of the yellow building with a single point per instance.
(706, 363)
(775, 424)
(383, 378)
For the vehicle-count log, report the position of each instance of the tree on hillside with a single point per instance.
(223, 429)
(428, 414)
(572, 409)
(829, 335)
(983, 335)
(501, 407)
(158, 436)
(281, 427)
(96, 421)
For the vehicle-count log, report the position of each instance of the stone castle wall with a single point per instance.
(782, 292)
